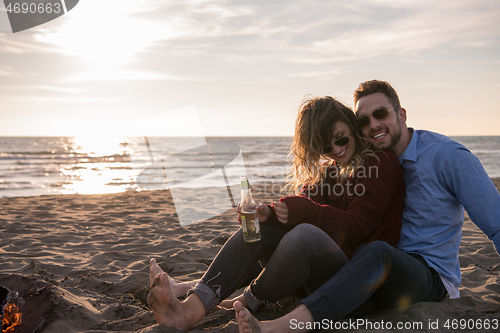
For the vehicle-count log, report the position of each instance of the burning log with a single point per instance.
(11, 318)
(44, 305)
(18, 310)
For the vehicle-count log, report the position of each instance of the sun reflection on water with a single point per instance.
(101, 165)
(100, 145)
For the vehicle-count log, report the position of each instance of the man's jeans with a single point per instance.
(305, 256)
(379, 273)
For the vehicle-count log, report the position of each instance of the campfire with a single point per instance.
(11, 318)
(27, 308)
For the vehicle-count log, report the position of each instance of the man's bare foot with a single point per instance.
(229, 303)
(249, 324)
(168, 310)
(177, 288)
(246, 322)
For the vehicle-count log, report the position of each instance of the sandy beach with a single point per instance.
(80, 263)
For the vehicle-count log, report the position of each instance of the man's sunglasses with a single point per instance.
(339, 142)
(379, 114)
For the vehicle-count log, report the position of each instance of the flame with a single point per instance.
(12, 318)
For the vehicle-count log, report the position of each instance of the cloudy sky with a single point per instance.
(109, 65)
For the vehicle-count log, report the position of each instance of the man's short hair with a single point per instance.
(375, 86)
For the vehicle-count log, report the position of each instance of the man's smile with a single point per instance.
(379, 135)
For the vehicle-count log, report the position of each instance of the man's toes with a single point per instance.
(237, 306)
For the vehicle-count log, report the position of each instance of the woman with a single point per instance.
(354, 198)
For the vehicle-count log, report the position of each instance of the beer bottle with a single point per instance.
(248, 213)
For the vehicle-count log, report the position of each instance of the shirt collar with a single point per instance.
(410, 152)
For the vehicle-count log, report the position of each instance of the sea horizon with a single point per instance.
(190, 136)
(54, 165)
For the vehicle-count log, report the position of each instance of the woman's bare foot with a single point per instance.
(246, 322)
(154, 270)
(177, 288)
(168, 310)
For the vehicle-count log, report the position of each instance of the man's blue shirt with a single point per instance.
(442, 177)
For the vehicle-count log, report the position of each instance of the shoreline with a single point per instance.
(260, 187)
(90, 254)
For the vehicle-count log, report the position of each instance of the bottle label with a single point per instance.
(245, 185)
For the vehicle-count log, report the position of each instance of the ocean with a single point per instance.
(33, 166)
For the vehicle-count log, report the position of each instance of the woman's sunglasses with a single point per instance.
(379, 114)
(339, 142)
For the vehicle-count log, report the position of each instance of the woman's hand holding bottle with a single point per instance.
(263, 211)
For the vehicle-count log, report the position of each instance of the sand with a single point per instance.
(80, 263)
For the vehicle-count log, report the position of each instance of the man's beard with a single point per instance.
(395, 137)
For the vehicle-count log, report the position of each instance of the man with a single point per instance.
(442, 177)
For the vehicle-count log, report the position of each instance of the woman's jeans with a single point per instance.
(304, 256)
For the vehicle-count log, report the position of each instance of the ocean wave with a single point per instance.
(58, 165)
(485, 151)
